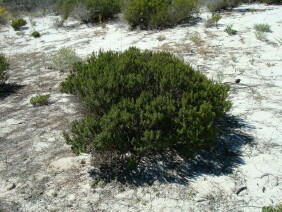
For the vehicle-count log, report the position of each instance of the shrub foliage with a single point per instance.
(18, 23)
(90, 10)
(40, 100)
(158, 14)
(142, 102)
(4, 65)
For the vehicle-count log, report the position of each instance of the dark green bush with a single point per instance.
(278, 208)
(35, 34)
(18, 23)
(271, 1)
(141, 102)
(157, 13)
(218, 5)
(4, 65)
(90, 10)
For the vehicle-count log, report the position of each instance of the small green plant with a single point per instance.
(35, 34)
(64, 58)
(161, 38)
(40, 100)
(229, 30)
(196, 38)
(278, 208)
(4, 65)
(18, 23)
(262, 28)
(213, 20)
(261, 36)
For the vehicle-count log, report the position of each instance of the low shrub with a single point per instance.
(262, 27)
(230, 31)
(213, 20)
(18, 23)
(195, 38)
(141, 102)
(4, 65)
(90, 10)
(64, 58)
(35, 34)
(278, 208)
(271, 1)
(218, 5)
(158, 14)
(40, 100)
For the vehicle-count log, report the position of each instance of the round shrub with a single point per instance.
(90, 10)
(18, 23)
(4, 65)
(141, 102)
(158, 14)
(35, 34)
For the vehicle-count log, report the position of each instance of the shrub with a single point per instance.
(40, 100)
(278, 208)
(218, 5)
(90, 10)
(271, 1)
(64, 58)
(262, 27)
(230, 31)
(35, 34)
(140, 102)
(4, 65)
(18, 23)
(158, 14)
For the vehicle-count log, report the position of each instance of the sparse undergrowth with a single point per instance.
(142, 102)
(4, 65)
(40, 100)
(230, 31)
(262, 27)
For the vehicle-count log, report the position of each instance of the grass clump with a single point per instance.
(262, 27)
(64, 58)
(195, 38)
(35, 34)
(213, 20)
(152, 14)
(142, 102)
(230, 31)
(4, 65)
(18, 23)
(40, 100)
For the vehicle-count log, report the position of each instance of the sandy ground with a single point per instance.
(38, 171)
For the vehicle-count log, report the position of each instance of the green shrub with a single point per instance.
(195, 38)
(262, 27)
(4, 65)
(158, 14)
(278, 208)
(35, 34)
(271, 1)
(230, 31)
(64, 58)
(213, 20)
(40, 100)
(218, 5)
(140, 102)
(18, 23)
(90, 10)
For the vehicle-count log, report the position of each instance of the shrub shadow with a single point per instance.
(169, 167)
(8, 89)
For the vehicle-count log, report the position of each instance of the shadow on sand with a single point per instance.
(8, 89)
(169, 167)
